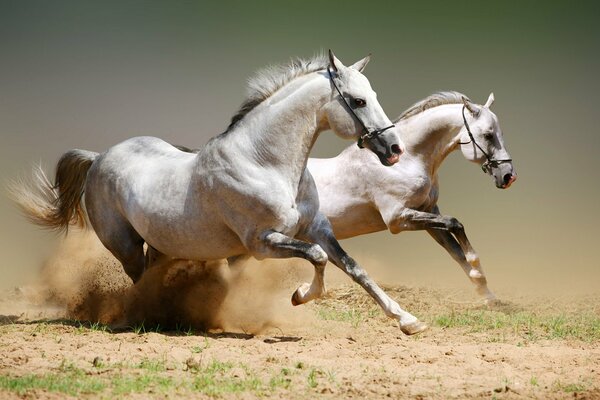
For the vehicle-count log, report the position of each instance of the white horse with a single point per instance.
(358, 196)
(247, 192)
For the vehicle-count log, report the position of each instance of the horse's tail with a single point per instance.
(55, 206)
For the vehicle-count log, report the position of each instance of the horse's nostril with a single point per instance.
(396, 149)
(507, 178)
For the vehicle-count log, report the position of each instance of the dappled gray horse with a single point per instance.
(359, 197)
(247, 192)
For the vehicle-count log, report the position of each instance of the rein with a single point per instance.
(366, 135)
(490, 163)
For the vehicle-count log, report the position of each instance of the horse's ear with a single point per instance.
(490, 100)
(473, 109)
(361, 64)
(335, 64)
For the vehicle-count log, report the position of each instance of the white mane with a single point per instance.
(435, 100)
(272, 78)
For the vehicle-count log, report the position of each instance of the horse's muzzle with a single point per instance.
(508, 180)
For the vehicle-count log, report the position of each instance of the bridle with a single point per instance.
(490, 163)
(366, 135)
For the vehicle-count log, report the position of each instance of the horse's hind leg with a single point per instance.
(127, 246)
(474, 272)
(278, 245)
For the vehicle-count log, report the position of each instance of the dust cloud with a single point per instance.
(83, 281)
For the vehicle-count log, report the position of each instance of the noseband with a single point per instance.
(490, 163)
(366, 134)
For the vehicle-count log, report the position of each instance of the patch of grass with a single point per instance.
(41, 328)
(215, 386)
(281, 380)
(152, 365)
(534, 381)
(221, 378)
(569, 387)
(200, 349)
(139, 329)
(214, 380)
(180, 330)
(530, 326)
(331, 376)
(92, 326)
(312, 378)
(74, 382)
(579, 326)
(143, 383)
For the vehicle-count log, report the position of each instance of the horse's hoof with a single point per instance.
(414, 328)
(299, 295)
(295, 300)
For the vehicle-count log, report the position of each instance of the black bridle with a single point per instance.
(490, 163)
(366, 133)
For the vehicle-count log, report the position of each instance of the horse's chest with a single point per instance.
(426, 199)
(417, 190)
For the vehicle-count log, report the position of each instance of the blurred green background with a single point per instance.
(86, 74)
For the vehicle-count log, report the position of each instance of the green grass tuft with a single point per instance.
(530, 326)
(72, 383)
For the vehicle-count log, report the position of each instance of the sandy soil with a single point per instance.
(258, 345)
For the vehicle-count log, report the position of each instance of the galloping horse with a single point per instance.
(247, 192)
(359, 197)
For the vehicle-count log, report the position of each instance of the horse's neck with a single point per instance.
(433, 134)
(281, 131)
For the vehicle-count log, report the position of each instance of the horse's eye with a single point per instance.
(360, 102)
(489, 136)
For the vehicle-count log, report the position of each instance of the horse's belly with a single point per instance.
(200, 239)
(355, 222)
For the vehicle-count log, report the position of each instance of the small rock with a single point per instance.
(97, 362)
(192, 364)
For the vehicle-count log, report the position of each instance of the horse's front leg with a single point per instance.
(321, 232)
(278, 245)
(477, 277)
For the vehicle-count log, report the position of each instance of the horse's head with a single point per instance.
(482, 142)
(354, 112)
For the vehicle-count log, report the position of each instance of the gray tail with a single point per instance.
(55, 206)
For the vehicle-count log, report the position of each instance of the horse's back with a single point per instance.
(139, 164)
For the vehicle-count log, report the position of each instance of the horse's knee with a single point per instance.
(317, 256)
(454, 225)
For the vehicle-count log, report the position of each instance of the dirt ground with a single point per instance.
(83, 331)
